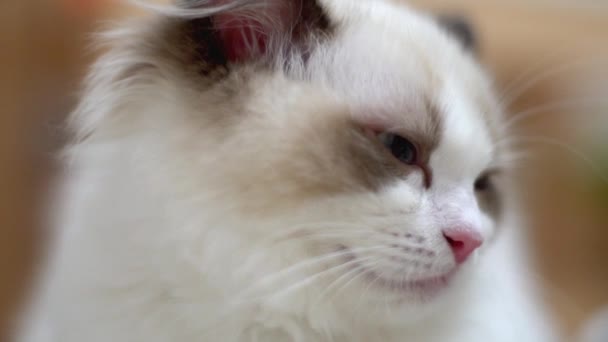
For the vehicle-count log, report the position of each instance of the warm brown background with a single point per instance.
(43, 54)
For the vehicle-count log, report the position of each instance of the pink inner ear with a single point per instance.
(246, 34)
(242, 38)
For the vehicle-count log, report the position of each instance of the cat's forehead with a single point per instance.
(400, 71)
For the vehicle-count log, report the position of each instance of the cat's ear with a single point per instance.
(252, 29)
(461, 29)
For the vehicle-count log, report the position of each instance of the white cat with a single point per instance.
(287, 170)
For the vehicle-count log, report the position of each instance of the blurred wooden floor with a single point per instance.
(43, 57)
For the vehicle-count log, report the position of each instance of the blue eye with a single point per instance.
(400, 148)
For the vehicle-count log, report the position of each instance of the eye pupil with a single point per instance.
(400, 148)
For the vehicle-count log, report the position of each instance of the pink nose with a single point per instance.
(462, 241)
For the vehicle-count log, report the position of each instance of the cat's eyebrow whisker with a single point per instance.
(513, 158)
(519, 87)
(565, 147)
(533, 69)
(538, 66)
(550, 107)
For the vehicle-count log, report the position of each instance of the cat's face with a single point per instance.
(365, 163)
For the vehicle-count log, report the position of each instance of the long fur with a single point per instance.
(233, 201)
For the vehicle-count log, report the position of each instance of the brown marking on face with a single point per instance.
(423, 129)
(369, 162)
(431, 139)
(490, 199)
(422, 126)
(488, 196)
(342, 156)
(329, 154)
(324, 151)
(336, 155)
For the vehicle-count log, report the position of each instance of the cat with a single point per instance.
(288, 170)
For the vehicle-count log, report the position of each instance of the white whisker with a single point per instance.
(514, 91)
(552, 142)
(301, 283)
(357, 271)
(303, 265)
(552, 106)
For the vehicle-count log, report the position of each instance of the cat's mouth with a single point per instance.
(426, 287)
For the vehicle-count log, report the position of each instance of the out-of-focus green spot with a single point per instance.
(599, 176)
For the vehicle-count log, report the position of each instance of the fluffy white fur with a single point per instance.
(178, 226)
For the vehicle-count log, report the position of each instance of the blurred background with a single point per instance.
(549, 58)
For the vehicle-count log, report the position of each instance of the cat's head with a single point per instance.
(356, 142)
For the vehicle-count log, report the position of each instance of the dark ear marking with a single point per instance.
(257, 31)
(461, 29)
